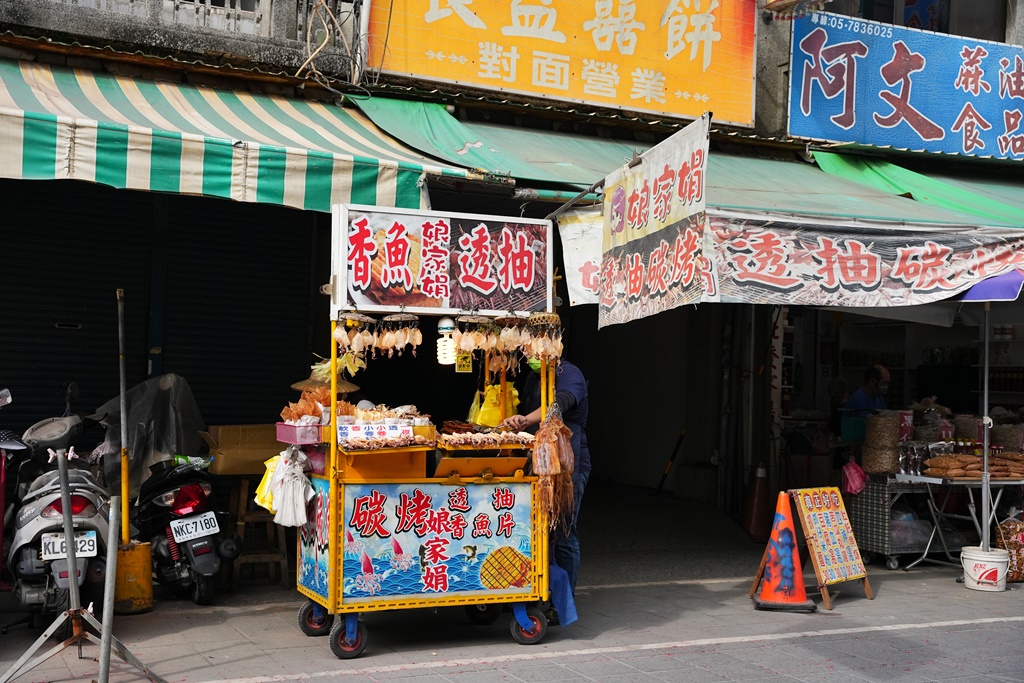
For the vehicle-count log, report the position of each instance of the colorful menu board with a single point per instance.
(833, 549)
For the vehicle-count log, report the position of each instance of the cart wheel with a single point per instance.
(483, 615)
(312, 625)
(536, 633)
(867, 557)
(892, 562)
(343, 649)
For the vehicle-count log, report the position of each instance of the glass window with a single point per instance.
(982, 19)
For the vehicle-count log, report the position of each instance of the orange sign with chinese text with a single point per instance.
(678, 58)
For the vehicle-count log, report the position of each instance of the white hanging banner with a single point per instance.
(582, 231)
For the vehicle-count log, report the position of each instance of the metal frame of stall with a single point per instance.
(327, 541)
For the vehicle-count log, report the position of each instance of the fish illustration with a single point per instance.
(470, 552)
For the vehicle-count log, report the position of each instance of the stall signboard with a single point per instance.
(432, 262)
(426, 540)
(678, 58)
(757, 260)
(314, 543)
(653, 224)
(857, 81)
(833, 550)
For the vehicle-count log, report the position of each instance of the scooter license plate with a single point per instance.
(194, 527)
(54, 547)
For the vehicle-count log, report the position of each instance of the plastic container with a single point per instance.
(984, 571)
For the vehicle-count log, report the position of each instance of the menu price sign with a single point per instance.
(830, 542)
(373, 430)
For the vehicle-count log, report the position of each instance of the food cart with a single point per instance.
(388, 527)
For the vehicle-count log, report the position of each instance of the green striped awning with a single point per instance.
(58, 123)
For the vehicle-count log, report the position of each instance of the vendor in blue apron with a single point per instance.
(571, 397)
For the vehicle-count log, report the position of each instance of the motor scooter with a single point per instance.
(174, 511)
(38, 555)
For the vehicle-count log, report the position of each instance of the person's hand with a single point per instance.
(516, 422)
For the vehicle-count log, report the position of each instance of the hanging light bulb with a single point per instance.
(445, 344)
(446, 350)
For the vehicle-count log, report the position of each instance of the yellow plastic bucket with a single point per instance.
(133, 590)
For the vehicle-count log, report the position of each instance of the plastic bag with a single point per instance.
(264, 496)
(474, 408)
(491, 414)
(1010, 537)
(854, 478)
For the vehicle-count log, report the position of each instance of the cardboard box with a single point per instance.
(241, 449)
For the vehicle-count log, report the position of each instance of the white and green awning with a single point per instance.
(62, 123)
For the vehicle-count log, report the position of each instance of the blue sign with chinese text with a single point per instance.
(859, 81)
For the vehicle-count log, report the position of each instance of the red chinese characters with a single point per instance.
(435, 550)
(517, 262)
(475, 267)
(435, 578)
(435, 255)
(763, 259)
(396, 258)
(412, 512)
(684, 255)
(834, 70)
(1011, 141)
(361, 250)
(663, 186)
(368, 515)
(458, 500)
(610, 275)
(458, 525)
(926, 268)
(1011, 79)
(506, 524)
(658, 270)
(970, 123)
(898, 71)
(482, 526)
(690, 179)
(588, 277)
(638, 206)
(989, 261)
(971, 76)
(503, 498)
(853, 268)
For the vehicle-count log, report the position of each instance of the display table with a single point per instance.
(938, 510)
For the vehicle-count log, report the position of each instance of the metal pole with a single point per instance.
(69, 530)
(109, 588)
(124, 419)
(986, 489)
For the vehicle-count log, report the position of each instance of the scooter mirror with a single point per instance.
(73, 391)
(5, 397)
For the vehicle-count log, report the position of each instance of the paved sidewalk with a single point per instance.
(922, 626)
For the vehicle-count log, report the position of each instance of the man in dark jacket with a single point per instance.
(571, 397)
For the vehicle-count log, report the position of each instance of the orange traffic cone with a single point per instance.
(782, 588)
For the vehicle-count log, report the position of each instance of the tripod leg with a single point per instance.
(16, 668)
(120, 650)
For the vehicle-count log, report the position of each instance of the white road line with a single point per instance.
(528, 656)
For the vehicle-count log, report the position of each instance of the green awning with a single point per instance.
(735, 183)
(993, 201)
(521, 153)
(58, 123)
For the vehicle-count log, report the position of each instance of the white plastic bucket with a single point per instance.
(984, 571)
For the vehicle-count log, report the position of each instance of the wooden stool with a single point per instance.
(274, 556)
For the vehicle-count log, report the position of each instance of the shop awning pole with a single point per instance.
(986, 490)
